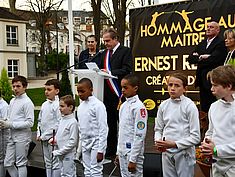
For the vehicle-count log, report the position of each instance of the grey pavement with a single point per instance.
(39, 82)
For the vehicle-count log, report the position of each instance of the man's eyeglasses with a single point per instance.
(90, 41)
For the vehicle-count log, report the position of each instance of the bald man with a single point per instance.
(209, 54)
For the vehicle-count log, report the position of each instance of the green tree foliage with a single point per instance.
(5, 86)
(52, 60)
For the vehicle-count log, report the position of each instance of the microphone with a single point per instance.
(98, 53)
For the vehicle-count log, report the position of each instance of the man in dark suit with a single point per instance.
(209, 54)
(116, 60)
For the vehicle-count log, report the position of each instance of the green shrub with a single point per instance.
(65, 86)
(5, 86)
(52, 60)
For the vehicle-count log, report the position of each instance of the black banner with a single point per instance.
(163, 36)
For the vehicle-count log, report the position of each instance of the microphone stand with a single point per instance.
(85, 60)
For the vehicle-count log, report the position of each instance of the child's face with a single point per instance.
(175, 87)
(65, 109)
(84, 91)
(51, 92)
(127, 89)
(219, 91)
(18, 88)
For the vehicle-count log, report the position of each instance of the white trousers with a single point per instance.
(47, 154)
(124, 161)
(229, 173)
(91, 167)
(180, 164)
(68, 166)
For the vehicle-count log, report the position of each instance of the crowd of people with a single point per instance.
(116, 128)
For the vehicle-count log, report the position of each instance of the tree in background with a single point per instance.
(42, 12)
(117, 14)
(96, 6)
(12, 4)
(5, 86)
(65, 85)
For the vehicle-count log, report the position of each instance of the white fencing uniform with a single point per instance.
(48, 120)
(4, 133)
(21, 116)
(178, 120)
(221, 130)
(93, 132)
(132, 131)
(66, 138)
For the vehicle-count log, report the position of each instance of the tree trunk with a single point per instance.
(96, 6)
(12, 4)
(119, 7)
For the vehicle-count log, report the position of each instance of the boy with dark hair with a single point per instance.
(66, 137)
(20, 120)
(219, 138)
(48, 121)
(93, 129)
(4, 133)
(133, 118)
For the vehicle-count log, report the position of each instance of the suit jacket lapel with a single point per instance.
(213, 43)
(114, 57)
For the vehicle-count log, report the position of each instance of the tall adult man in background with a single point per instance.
(209, 54)
(116, 60)
(88, 55)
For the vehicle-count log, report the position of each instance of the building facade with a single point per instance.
(13, 54)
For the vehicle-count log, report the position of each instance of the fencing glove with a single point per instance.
(5, 124)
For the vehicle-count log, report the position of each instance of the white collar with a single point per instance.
(115, 48)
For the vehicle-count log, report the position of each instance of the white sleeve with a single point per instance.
(29, 117)
(71, 142)
(159, 124)
(194, 128)
(140, 128)
(103, 127)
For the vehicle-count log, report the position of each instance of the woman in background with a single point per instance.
(229, 37)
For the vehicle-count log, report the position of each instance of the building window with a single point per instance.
(33, 37)
(88, 20)
(61, 39)
(13, 68)
(65, 19)
(12, 37)
(33, 49)
(77, 20)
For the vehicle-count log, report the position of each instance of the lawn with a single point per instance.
(37, 95)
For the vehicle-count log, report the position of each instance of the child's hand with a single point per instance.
(38, 138)
(165, 144)
(160, 149)
(132, 167)
(52, 141)
(207, 147)
(99, 157)
(116, 161)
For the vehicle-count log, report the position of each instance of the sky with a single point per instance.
(77, 4)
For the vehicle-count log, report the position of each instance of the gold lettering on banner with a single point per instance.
(188, 33)
(158, 63)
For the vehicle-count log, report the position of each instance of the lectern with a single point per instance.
(97, 77)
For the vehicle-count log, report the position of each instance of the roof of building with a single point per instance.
(5, 14)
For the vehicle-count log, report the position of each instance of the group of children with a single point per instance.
(177, 129)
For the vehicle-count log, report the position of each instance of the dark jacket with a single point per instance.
(85, 57)
(217, 51)
(121, 65)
